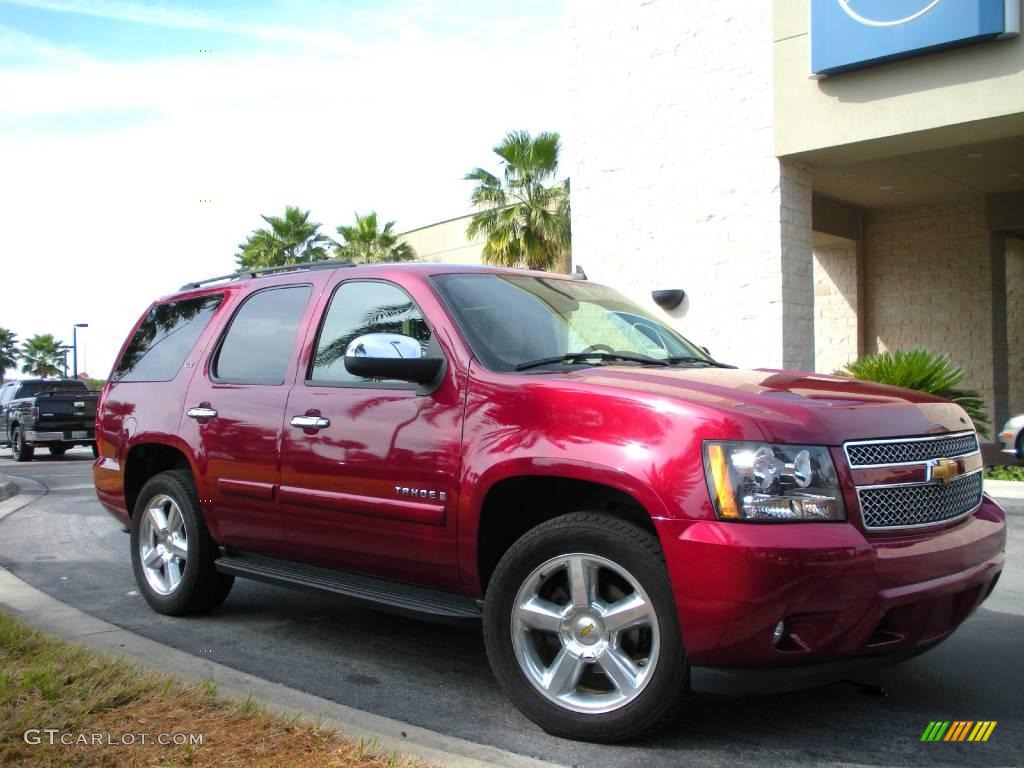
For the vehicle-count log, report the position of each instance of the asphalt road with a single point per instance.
(438, 678)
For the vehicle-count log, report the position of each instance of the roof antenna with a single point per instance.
(578, 273)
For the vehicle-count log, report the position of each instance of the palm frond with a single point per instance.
(524, 221)
(290, 239)
(365, 242)
(924, 371)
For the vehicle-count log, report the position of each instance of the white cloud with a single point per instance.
(105, 161)
(17, 44)
(163, 16)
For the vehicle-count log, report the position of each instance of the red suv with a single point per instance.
(630, 519)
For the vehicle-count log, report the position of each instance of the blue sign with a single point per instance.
(850, 34)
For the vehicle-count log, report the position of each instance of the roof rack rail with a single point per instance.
(245, 273)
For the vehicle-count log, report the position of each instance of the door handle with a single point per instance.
(202, 412)
(310, 422)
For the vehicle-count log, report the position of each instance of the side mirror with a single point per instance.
(388, 345)
(706, 351)
(392, 356)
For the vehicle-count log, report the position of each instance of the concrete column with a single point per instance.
(797, 267)
(1015, 324)
(1000, 348)
(836, 300)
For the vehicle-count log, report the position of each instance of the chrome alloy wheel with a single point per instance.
(585, 633)
(163, 544)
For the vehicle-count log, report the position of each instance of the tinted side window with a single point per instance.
(363, 307)
(5, 393)
(158, 349)
(259, 342)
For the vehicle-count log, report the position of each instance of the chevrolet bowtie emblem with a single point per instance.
(943, 470)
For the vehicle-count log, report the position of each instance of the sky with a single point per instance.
(120, 119)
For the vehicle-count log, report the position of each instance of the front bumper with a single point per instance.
(752, 681)
(844, 597)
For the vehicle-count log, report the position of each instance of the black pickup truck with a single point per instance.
(55, 413)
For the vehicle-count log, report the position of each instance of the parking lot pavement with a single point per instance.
(437, 677)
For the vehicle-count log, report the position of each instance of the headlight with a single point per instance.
(760, 481)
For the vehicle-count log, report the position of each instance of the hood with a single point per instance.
(792, 406)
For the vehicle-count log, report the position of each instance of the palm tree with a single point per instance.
(8, 352)
(42, 355)
(525, 222)
(366, 244)
(291, 239)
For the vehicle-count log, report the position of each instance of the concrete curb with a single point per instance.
(8, 487)
(1004, 489)
(45, 613)
(27, 492)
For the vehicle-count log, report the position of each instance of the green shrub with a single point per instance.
(924, 371)
(1005, 473)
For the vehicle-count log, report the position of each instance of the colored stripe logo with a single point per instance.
(959, 730)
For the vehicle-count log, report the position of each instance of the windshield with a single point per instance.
(512, 321)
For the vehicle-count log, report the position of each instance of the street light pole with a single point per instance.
(74, 345)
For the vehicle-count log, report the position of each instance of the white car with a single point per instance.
(1011, 437)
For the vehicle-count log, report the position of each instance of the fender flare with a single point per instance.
(477, 488)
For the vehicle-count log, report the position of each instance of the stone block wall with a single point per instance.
(929, 283)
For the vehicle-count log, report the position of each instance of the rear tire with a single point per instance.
(1020, 446)
(95, 451)
(582, 631)
(172, 553)
(57, 450)
(20, 451)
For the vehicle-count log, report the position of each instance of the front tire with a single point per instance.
(20, 451)
(582, 632)
(172, 553)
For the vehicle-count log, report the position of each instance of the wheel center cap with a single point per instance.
(587, 630)
(584, 634)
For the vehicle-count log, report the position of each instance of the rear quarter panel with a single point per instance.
(155, 405)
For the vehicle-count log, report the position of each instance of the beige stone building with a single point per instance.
(445, 242)
(809, 219)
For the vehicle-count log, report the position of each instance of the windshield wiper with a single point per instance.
(580, 357)
(691, 359)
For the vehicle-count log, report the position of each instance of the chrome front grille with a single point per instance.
(929, 501)
(910, 451)
(912, 505)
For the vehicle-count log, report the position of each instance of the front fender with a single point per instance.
(475, 488)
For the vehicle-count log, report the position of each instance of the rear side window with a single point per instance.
(158, 349)
(260, 340)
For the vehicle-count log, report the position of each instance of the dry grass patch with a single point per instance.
(50, 684)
